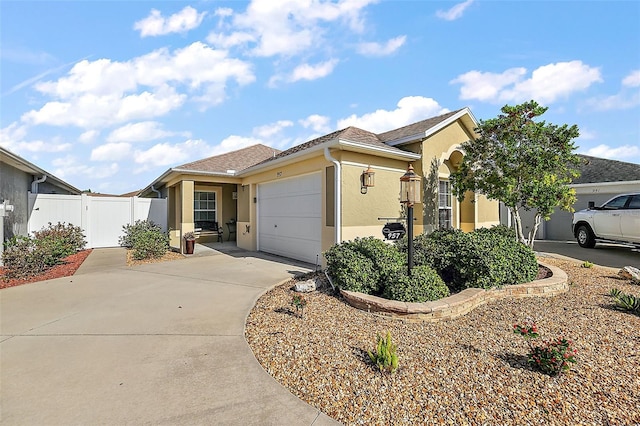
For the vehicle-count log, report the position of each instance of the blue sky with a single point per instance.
(107, 95)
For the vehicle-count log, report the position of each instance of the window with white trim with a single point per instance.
(444, 205)
(205, 206)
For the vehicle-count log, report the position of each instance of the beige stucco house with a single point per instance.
(299, 202)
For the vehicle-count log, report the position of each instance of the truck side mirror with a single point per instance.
(591, 205)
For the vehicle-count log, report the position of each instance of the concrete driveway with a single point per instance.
(153, 344)
(611, 255)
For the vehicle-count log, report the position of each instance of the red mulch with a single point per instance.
(69, 267)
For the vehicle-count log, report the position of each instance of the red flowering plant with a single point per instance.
(552, 356)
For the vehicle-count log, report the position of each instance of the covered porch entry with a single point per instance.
(209, 209)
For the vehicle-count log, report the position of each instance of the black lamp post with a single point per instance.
(409, 195)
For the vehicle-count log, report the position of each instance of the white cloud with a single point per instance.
(586, 134)
(627, 98)
(13, 137)
(12, 133)
(88, 136)
(90, 111)
(409, 110)
(632, 80)
(318, 123)
(141, 132)
(164, 154)
(225, 41)
(618, 101)
(288, 27)
(100, 77)
(313, 72)
(233, 143)
(70, 166)
(270, 130)
(486, 86)
(155, 24)
(623, 152)
(111, 152)
(455, 12)
(39, 146)
(379, 49)
(546, 84)
(101, 93)
(306, 72)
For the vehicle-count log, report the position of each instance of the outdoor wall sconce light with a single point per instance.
(409, 195)
(367, 179)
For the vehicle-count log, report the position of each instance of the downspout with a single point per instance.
(338, 195)
(34, 184)
(156, 191)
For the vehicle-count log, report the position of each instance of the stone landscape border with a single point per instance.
(461, 303)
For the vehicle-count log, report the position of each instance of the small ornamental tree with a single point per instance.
(523, 163)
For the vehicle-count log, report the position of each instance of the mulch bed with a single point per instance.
(467, 371)
(68, 267)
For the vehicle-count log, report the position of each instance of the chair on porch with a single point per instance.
(206, 228)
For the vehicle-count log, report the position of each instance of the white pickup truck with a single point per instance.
(616, 220)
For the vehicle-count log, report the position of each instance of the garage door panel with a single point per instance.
(290, 217)
(303, 206)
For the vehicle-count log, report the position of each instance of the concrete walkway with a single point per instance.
(154, 344)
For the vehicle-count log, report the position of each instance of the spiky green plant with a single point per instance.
(626, 302)
(587, 264)
(614, 292)
(385, 356)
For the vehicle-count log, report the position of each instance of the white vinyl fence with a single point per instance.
(101, 218)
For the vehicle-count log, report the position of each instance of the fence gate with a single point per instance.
(101, 218)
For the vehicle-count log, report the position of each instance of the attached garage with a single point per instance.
(290, 217)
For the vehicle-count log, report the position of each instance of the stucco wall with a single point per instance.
(14, 185)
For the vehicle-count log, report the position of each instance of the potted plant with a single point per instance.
(189, 242)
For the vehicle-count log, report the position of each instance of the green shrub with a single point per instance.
(21, 259)
(362, 265)
(29, 256)
(133, 232)
(483, 258)
(58, 241)
(384, 357)
(150, 244)
(423, 285)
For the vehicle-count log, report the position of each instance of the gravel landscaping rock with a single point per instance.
(470, 370)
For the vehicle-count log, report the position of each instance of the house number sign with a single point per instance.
(393, 231)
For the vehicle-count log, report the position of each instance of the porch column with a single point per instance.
(186, 210)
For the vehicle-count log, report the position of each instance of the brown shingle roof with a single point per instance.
(234, 160)
(351, 134)
(416, 128)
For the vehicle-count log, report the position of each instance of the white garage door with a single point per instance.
(289, 217)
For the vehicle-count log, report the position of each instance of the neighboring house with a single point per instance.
(600, 180)
(299, 202)
(18, 178)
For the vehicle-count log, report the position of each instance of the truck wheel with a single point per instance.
(585, 237)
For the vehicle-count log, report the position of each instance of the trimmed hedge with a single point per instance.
(362, 265)
(423, 285)
(445, 261)
(485, 258)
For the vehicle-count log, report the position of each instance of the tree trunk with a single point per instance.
(515, 213)
(532, 234)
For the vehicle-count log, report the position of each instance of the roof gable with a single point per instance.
(20, 163)
(423, 128)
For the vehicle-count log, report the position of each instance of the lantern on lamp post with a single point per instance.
(409, 195)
